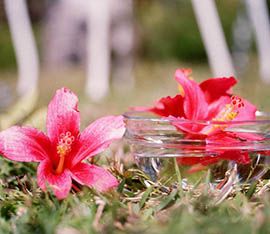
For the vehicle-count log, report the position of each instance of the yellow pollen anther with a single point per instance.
(63, 148)
(228, 113)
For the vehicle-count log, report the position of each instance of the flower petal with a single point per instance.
(166, 106)
(214, 88)
(63, 115)
(216, 106)
(24, 144)
(60, 184)
(93, 176)
(169, 106)
(193, 128)
(195, 105)
(98, 136)
(250, 136)
(237, 156)
(200, 163)
(225, 139)
(247, 112)
(190, 161)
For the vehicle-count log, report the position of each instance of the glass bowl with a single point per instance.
(162, 151)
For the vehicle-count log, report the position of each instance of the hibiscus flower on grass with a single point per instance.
(198, 111)
(63, 149)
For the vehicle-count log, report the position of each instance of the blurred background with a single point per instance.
(120, 53)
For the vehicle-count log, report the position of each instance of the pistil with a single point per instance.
(63, 149)
(228, 113)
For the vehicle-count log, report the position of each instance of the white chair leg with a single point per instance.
(24, 43)
(98, 50)
(242, 40)
(122, 42)
(257, 11)
(213, 37)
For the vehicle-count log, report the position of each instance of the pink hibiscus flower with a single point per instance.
(204, 101)
(211, 101)
(197, 104)
(195, 101)
(60, 153)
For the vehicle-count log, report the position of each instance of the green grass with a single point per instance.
(134, 208)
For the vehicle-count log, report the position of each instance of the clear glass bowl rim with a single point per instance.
(134, 116)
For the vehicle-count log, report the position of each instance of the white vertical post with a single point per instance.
(257, 11)
(122, 41)
(25, 49)
(98, 49)
(242, 39)
(213, 37)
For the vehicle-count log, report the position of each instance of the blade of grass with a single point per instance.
(121, 186)
(178, 175)
(251, 189)
(145, 196)
(167, 200)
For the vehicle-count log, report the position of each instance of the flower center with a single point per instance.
(228, 113)
(63, 148)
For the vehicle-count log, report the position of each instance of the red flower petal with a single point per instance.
(247, 112)
(249, 136)
(63, 115)
(189, 161)
(166, 106)
(98, 136)
(60, 184)
(199, 163)
(237, 156)
(216, 106)
(169, 106)
(214, 88)
(24, 144)
(222, 138)
(93, 176)
(193, 128)
(195, 105)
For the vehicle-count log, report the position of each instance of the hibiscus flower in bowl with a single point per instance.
(204, 126)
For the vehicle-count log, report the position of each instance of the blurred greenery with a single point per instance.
(7, 56)
(169, 29)
(166, 29)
